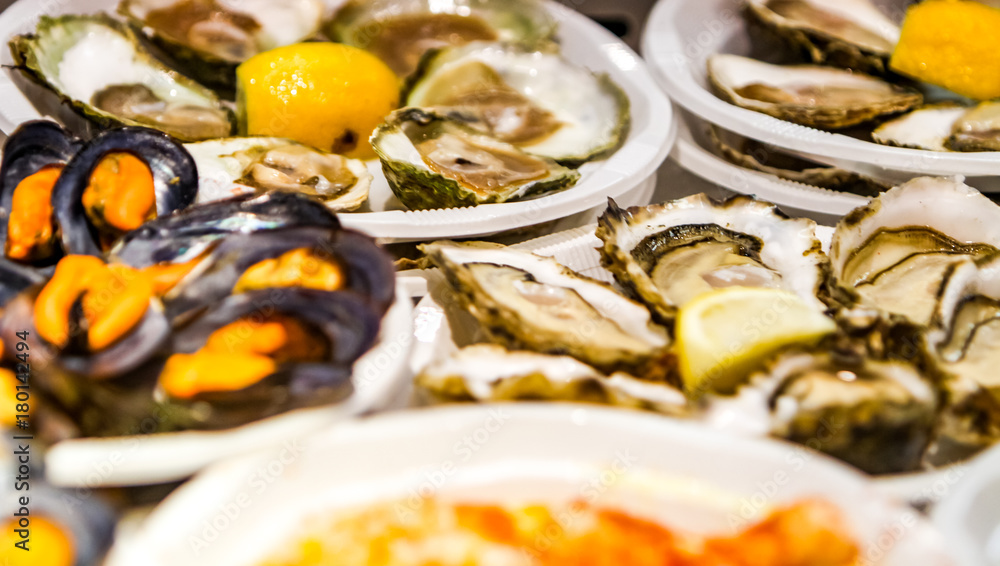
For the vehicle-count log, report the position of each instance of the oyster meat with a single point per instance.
(489, 373)
(978, 129)
(810, 95)
(209, 38)
(667, 254)
(928, 127)
(400, 33)
(535, 100)
(877, 415)
(853, 34)
(433, 160)
(914, 250)
(98, 66)
(275, 164)
(524, 301)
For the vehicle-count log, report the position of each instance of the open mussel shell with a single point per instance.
(81, 522)
(536, 100)
(15, 279)
(853, 34)
(345, 321)
(188, 233)
(175, 181)
(399, 33)
(362, 266)
(208, 39)
(125, 86)
(436, 160)
(31, 148)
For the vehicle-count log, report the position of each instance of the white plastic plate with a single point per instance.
(681, 35)
(510, 454)
(379, 377)
(583, 42)
(709, 166)
(969, 516)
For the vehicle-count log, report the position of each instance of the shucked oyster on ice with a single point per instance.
(433, 160)
(276, 164)
(810, 95)
(848, 33)
(487, 372)
(209, 38)
(97, 65)
(913, 250)
(667, 254)
(524, 301)
(400, 32)
(535, 100)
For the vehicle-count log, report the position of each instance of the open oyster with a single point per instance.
(209, 38)
(810, 95)
(97, 65)
(666, 254)
(875, 414)
(400, 33)
(524, 301)
(433, 160)
(978, 129)
(487, 372)
(928, 127)
(535, 100)
(277, 164)
(913, 250)
(759, 156)
(849, 33)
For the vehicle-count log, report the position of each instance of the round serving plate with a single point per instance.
(379, 377)
(680, 36)
(527, 453)
(969, 516)
(438, 335)
(691, 155)
(583, 42)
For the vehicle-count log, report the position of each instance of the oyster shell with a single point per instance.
(914, 250)
(277, 164)
(853, 34)
(875, 414)
(524, 301)
(928, 127)
(209, 38)
(535, 100)
(978, 129)
(758, 156)
(810, 95)
(432, 160)
(125, 85)
(400, 32)
(666, 254)
(489, 373)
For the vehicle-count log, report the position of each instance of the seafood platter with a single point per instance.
(271, 294)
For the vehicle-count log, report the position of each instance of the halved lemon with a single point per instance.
(724, 335)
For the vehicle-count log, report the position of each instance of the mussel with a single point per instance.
(15, 278)
(263, 352)
(187, 234)
(33, 159)
(309, 257)
(120, 180)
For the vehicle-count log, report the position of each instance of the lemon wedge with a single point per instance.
(724, 335)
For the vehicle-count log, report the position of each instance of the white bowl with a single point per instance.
(240, 511)
(583, 42)
(681, 35)
(379, 378)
